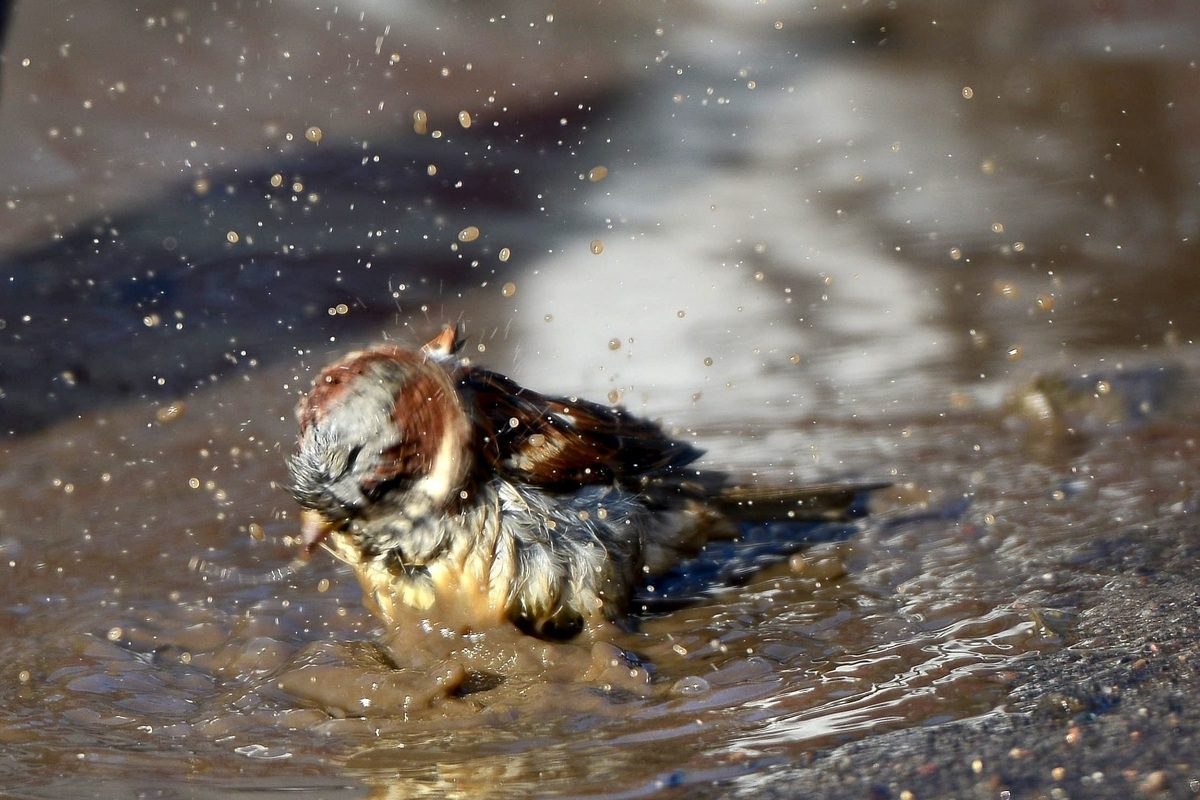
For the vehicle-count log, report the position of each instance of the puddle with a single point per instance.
(799, 277)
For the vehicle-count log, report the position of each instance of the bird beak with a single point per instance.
(314, 528)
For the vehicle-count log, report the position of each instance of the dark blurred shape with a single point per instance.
(5, 11)
(240, 268)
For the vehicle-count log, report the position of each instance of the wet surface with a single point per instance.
(953, 257)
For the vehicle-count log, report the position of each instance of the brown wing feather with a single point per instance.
(556, 441)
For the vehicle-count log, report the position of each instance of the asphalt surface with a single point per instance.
(1112, 714)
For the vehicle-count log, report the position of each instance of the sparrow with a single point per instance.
(453, 489)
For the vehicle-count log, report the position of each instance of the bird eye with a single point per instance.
(352, 457)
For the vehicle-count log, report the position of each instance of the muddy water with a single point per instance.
(856, 269)
(127, 665)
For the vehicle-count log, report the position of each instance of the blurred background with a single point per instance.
(880, 240)
(903, 186)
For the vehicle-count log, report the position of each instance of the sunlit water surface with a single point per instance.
(797, 278)
(129, 663)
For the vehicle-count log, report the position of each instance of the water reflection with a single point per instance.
(845, 268)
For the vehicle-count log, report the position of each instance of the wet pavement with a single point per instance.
(950, 249)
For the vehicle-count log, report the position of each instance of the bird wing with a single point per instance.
(559, 442)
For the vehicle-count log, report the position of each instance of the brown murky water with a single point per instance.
(853, 269)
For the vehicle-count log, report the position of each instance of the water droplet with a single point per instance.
(468, 234)
(464, 119)
(598, 173)
(509, 289)
(420, 122)
(313, 133)
(505, 254)
(597, 247)
(1005, 289)
(690, 686)
(614, 344)
(170, 413)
